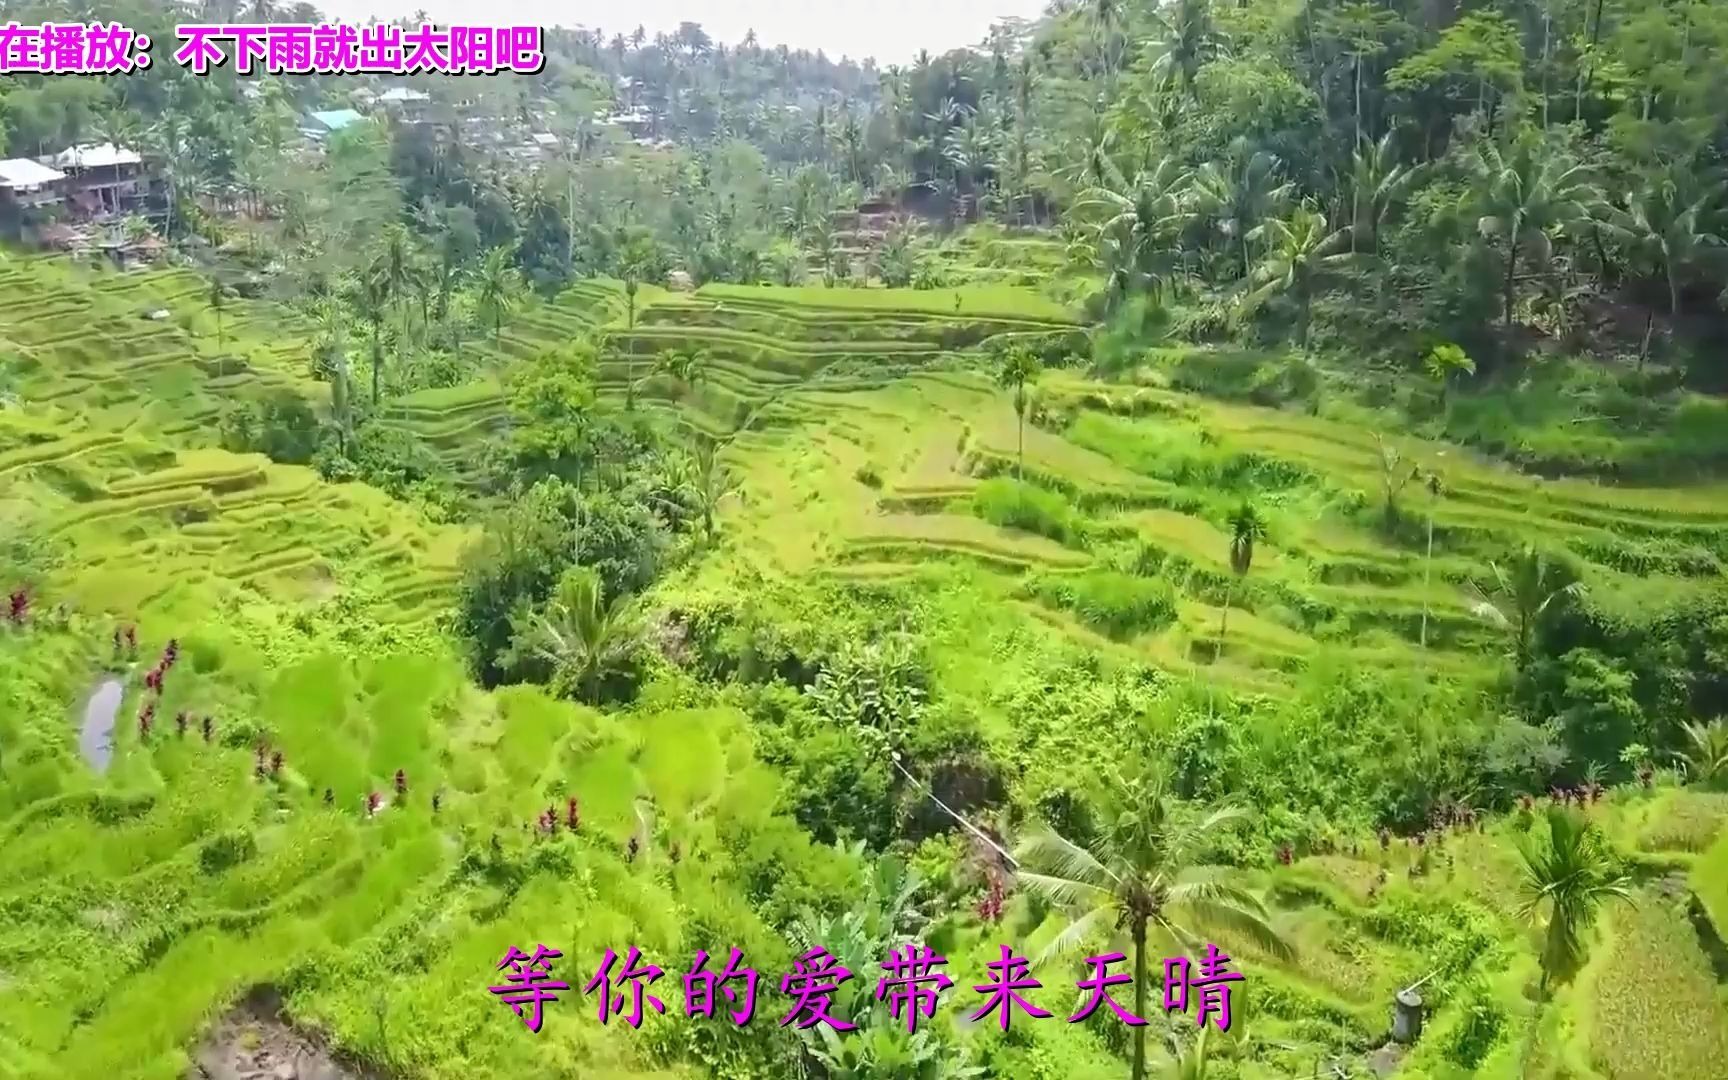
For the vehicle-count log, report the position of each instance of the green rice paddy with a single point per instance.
(140, 903)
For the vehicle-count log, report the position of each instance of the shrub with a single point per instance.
(1116, 604)
(226, 850)
(1013, 504)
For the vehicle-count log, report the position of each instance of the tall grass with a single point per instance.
(1115, 604)
(1013, 504)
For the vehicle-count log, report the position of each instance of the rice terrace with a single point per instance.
(1181, 541)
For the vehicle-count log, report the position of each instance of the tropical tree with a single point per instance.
(1522, 595)
(1705, 756)
(1444, 362)
(1017, 369)
(1361, 29)
(1188, 42)
(1139, 234)
(342, 405)
(685, 367)
(373, 303)
(1393, 479)
(1299, 251)
(1237, 194)
(1379, 183)
(1571, 872)
(1142, 878)
(579, 633)
(1527, 199)
(499, 285)
(709, 482)
(392, 265)
(1434, 485)
(217, 297)
(1246, 528)
(1666, 229)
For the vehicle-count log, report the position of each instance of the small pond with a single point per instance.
(96, 737)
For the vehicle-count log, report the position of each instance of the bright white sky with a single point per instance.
(890, 30)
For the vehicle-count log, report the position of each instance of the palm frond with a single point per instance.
(1063, 858)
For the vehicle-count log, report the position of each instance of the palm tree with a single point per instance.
(1435, 487)
(1666, 227)
(709, 481)
(1527, 199)
(1378, 184)
(1189, 42)
(1300, 250)
(1019, 367)
(393, 265)
(1705, 757)
(579, 633)
(685, 367)
(1360, 29)
(500, 289)
(217, 296)
(167, 143)
(1571, 873)
(1139, 242)
(341, 404)
(1525, 595)
(373, 301)
(1445, 361)
(1246, 527)
(1239, 193)
(1141, 877)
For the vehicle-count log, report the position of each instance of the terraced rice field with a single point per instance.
(83, 341)
(1157, 485)
(864, 431)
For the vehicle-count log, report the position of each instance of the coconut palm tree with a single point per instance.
(341, 404)
(1189, 41)
(1139, 236)
(1299, 251)
(500, 289)
(1527, 199)
(1432, 482)
(373, 302)
(582, 635)
(1246, 527)
(1142, 879)
(1570, 872)
(1667, 226)
(1378, 184)
(1018, 368)
(1705, 756)
(217, 297)
(709, 482)
(1524, 595)
(1240, 192)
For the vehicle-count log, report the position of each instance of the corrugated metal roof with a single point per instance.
(24, 173)
(98, 156)
(337, 119)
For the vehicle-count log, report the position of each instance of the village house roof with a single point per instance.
(403, 93)
(98, 156)
(20, 174)
(336, 119)
(544, 138)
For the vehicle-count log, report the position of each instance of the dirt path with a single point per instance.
(255, 1041)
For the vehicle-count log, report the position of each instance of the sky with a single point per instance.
(890, 30)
